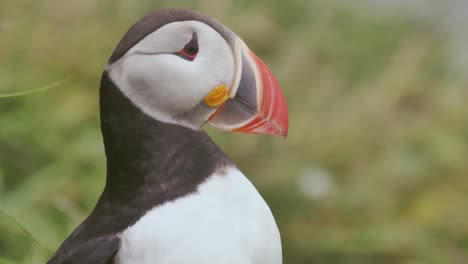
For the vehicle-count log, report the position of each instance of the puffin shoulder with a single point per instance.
(99, 250)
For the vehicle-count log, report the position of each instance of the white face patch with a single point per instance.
(167, 87)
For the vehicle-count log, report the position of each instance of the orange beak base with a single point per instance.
(273, 115)
(259, 106)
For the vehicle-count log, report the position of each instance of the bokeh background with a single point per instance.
(374, 170)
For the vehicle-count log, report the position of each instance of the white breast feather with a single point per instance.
(225, 222)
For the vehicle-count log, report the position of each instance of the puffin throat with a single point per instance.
(169, 159)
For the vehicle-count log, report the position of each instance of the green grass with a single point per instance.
(371, 102)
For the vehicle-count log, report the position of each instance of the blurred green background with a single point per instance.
(374, 169)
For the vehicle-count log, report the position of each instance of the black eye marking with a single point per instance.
(190, 50)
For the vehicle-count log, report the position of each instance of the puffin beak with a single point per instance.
(256, 103)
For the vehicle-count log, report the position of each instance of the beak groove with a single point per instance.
(257, 104)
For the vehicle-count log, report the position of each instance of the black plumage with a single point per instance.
(159, 18)
(148, 163)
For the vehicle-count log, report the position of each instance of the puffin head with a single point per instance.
(184, 68)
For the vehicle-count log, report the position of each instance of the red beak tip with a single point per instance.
(284, 134)
(270, 115)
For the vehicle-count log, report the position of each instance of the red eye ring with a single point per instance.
(189, 55)
(190, 50)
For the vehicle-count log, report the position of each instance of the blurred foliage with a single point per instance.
(374, 169)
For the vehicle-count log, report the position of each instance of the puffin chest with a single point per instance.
(225, 221)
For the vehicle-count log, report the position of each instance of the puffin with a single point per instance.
(171, 195)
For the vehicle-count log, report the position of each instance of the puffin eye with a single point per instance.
(190, 50)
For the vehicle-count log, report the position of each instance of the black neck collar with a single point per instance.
(146, 155)
(148, 163)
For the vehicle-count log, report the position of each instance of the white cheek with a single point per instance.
(170, 82)
(218, 64)
(164, 85)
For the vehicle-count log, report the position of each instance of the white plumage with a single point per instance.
(225, 222)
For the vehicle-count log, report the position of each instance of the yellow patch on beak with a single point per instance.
(217, 96)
